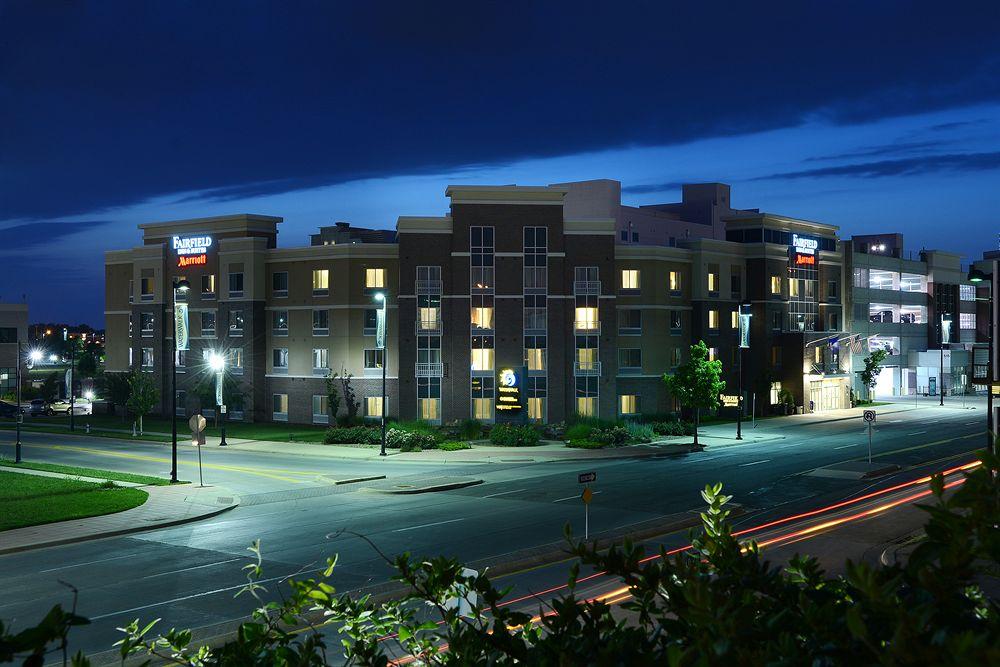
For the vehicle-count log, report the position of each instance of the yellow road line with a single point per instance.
(157, 459)
(929, 444)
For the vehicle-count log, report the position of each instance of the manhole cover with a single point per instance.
(404, 486)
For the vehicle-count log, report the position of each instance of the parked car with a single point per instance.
(9, 410)
(39, 406)
(80, 406)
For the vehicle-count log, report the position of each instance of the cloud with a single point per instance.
(896, 148)
(960, 162)
(19, 238)
(108, 117)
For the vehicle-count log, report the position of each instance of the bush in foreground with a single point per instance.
(511, 435)
(718, 602)
(353, 435)
(409, 441)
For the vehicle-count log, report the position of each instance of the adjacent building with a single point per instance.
(920, 308)
(13, 332)
(521, 303)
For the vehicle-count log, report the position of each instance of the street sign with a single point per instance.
(587, 477)
(198, 439)
(222, 409)
(197, 423)
(869, 416)
(587, 495)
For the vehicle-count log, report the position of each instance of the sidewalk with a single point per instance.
(166, 506)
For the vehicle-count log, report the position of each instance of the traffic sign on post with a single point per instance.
(869, 416)
(587, 477)
(587, 495)
(869, 419)
(197, 423)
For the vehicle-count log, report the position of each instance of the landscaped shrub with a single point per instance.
(470, 429)
(578, 431)
(613, 437)
(639, 432)
(421, 427)
(408, 441)
(351, 435)
(509, 435)
(586, 444)
(453, 446)
(673, 428)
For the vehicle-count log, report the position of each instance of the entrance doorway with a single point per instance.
(829, 394)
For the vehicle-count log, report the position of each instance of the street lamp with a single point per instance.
(181, 286)
(945, 340)
(976, 277)
(744, 315)
(217, 363)
(33, 356)
(380, 343)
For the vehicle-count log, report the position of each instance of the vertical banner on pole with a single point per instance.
(181, 325)
(218, 390)
(380, 327)
(744, 322)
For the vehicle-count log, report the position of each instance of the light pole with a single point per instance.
(217, 363)
(945, 339)
(380, 343)
(181, 286)
(743, 320)
(976, 277)
(72, 378)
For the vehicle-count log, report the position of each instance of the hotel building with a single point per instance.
(583, 301)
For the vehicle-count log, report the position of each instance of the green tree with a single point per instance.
(49, 388)
(332, 396)
(350, 401)
(86, 366)
(117, 389)
(143, 395)
(697, 383)
(873, 366)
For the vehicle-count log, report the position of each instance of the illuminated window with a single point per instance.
(628, 404)
(966, 320)
(713, 282)
(321, 359)
(147, 357)
(482, 398)
(534, 352)
(320, 409)
(776, 285)
(429, 398)
(713, 354)
(967, 292)
(794, 288)
(536, 408)
(586, 318)
(674, 281)
(321, 282)
(713, 319)
(373, 406)
(775, 392)
(482, 353)
(586, 406)
(279, 359)
(630, 279)
(586, 357)
(482, 311)
(279, 407)
(734, 319)
(375, 278)
(236, 360)
(430, 409)
(279, 283)
(208, 286)
(429, 311)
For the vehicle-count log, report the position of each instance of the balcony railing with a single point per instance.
(586, 287)
(429, 370)
(429, 287)
(428, 326)
(584, 368)
(629, 370)
(587, 327)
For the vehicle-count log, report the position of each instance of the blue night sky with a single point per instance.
(875, 116)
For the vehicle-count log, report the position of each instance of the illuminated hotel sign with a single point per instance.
(191, 250)
(508, 390)
(803, 250)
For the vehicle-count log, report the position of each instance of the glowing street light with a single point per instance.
(89, 395)
(52, 357)
(35, 356)
(217, 362)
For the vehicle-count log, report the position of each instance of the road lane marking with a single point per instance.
(504, 493)
(157, 459)
(90, 562)
(572, 497)
(185, 597)
(916, 432)
(427, 525)
(744, 465)
(194, 567)
(857, 444)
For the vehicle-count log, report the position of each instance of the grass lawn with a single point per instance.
(30, 500)
(88, 472)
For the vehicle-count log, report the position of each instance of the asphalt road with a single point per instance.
(188, 574)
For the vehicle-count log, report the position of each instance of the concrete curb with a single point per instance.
(55, 542)
(447, 486)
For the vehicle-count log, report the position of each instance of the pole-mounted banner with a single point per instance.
(218, 390)
(181, 325)
(380, 327)
(744, 322)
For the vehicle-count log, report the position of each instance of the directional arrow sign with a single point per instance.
(587, 477)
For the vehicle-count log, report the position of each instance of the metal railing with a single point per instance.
(429, 287)
(586, 287)
(584, 368)
(587, 327)
(428, 326)
(423, 370)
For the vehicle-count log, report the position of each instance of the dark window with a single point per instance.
(8, 334)
(625, 235)
(635, 237)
